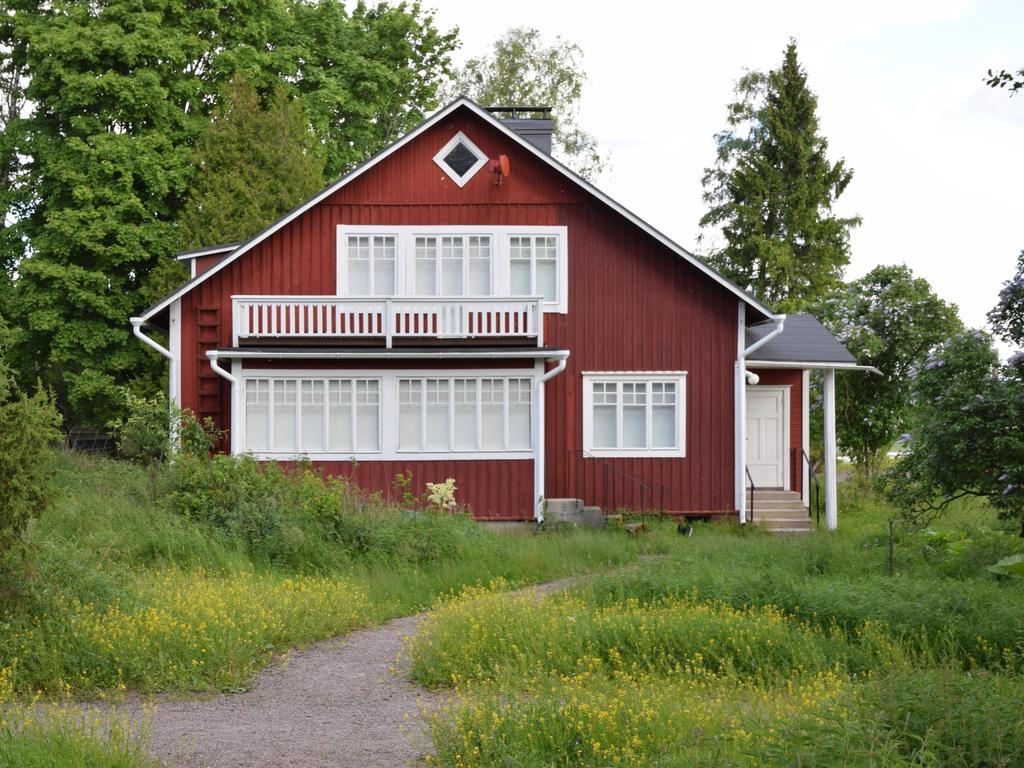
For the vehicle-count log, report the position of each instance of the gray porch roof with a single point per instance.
(803, 340)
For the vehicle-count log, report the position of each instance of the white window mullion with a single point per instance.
(504, 414)
(272, 439)
(479, 415)
(618, 417)
(353, 410)
(649, 419)
(298, 415)
(451, 414)
(423, 414)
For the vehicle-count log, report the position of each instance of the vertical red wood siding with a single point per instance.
(633, 306)
(794, 379)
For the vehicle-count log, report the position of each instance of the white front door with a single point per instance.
(766, 436)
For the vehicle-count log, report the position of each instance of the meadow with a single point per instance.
(743, 648)
(730, 647)
(196, 587)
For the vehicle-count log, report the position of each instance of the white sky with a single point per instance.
(938, 156)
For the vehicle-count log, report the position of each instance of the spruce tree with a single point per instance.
(253, 164)
(772, 189)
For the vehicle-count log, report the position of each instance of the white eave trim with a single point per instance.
(211, 251)
(805, 365)
(550, 355)
(424, 126)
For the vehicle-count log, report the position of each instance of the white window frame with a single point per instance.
(649, 377)
(342, 262)
(405, 258)
(451, 378)
(388, 413)
(481, 159)
(467, 262)
(298, 376)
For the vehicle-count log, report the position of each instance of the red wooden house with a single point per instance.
(461, 305)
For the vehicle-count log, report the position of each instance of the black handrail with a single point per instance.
(752, 489)
(812, 474)
(648, 488)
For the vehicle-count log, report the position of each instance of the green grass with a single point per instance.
(743, 648)
(733, 647)
(129, 593)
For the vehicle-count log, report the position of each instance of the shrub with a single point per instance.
(295, 517)
(29, 424)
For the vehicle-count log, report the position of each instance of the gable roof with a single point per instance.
(472, 106)
(803, 340)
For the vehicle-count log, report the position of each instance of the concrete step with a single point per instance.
(773, 494)
(785, 525)
(776, 504)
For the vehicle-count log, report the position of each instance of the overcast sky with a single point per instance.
(938, 157)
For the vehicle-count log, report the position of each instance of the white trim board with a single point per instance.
(528, 353)
(754, 364)
(442, 113)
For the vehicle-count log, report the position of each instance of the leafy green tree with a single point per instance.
(119, 93)
(523, 71)
(891, 320)
(367, 76)
(772, 189)
(965, 434)
(253, 165)
(28, 426)
(1007, 317)
(12, 104)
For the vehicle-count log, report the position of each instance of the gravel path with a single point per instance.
(339, 703)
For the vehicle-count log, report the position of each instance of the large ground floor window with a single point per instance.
(336, 416)
(634, 414)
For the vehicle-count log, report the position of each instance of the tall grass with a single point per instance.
(742, 648)
(157, 596)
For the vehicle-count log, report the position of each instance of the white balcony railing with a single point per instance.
(330, 317)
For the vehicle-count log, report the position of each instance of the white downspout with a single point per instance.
(213, 355)
(741, 400)
(172, 369)
(539, 419)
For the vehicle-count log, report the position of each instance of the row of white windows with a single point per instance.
(344, 416)
(622, 416)
(453, 265)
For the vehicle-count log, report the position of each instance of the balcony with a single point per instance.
(306, 319)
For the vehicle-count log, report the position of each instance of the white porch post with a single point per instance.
(831, 517)
(805, 437)
(740, 399)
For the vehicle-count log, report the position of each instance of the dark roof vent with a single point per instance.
(532, 123)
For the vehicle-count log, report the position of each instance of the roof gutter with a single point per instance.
(213, 355)
(137, 330)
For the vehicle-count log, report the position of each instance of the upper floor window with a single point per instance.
(453, 265)
(371, 265)
(533, 264)
(451, 261)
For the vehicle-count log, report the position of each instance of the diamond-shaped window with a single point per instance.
(460, 158)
